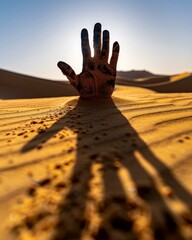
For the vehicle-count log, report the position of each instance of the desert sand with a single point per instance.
(19, 86)
(108, 169)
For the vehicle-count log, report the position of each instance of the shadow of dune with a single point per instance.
(106, 137)
(20, 86)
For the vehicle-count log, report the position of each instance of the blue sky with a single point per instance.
(153, 35)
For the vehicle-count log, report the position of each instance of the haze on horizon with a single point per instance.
(153, 35)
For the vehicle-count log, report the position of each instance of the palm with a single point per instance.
(97, 78)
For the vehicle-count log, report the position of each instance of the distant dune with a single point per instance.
(15, 85)
(162, 84)
(176, 84)
(135, 74)
(20, 86)
(143, 81)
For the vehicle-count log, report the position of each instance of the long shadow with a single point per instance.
(106, 136)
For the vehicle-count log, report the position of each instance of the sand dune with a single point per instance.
(176, 84)
(19, 86)
(15, 85)
(143, 81)
(180, 76)
(167, 84)
(108, 169)
(136, 74)
(153, 80)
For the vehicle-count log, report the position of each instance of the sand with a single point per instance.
(20, 86)
(179, 83)
(107, 169)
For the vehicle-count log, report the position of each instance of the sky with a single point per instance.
(153, 35)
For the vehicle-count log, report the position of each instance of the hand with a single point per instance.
(97, 78)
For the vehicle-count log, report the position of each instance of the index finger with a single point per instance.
(115, 55)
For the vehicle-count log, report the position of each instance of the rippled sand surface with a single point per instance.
(107, 169)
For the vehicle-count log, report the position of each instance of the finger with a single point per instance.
(97, 40)
(105, 50)
(67, 70)
(115, 54)
(85, 46)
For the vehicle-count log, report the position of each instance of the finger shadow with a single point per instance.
(110, 140)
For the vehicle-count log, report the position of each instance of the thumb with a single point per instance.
(67, 70)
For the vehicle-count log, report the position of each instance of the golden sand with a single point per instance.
(109, 169)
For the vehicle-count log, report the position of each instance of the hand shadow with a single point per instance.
(109, 139)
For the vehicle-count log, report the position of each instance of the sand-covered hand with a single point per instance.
(97, 78)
